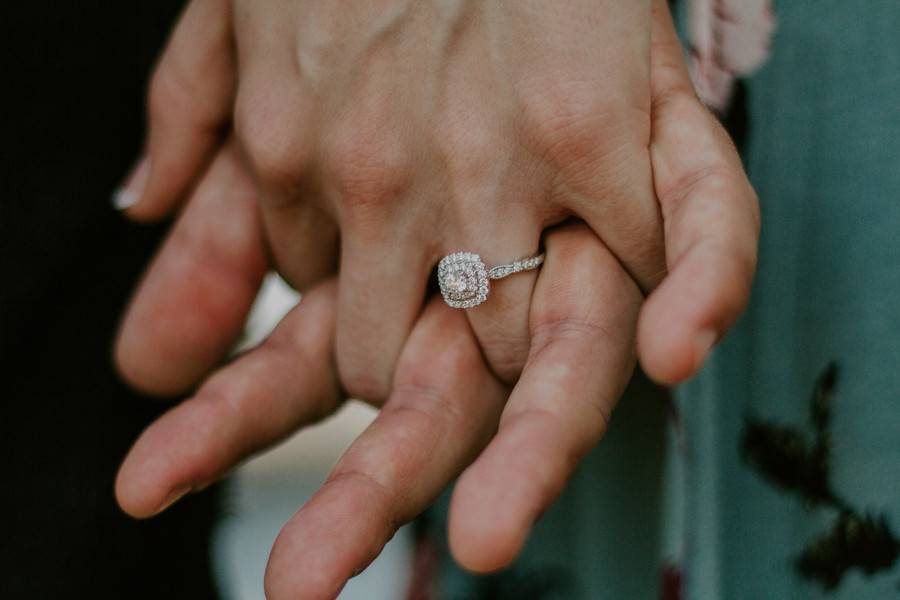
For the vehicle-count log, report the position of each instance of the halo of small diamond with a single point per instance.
(463, 279)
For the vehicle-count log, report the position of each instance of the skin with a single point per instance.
(528, 403)
(382, 136)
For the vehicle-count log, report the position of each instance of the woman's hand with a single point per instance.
(387, 135)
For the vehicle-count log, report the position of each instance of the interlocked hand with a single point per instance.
(413, 131)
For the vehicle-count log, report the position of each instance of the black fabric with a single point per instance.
(73, 78)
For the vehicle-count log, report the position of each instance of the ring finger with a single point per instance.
(500, 321)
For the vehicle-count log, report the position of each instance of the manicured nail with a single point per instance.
(129, 194)
(703, 343)
(172, 498)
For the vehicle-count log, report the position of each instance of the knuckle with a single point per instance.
(674, 191)
(417, 376)
(418, 373)
(574, 125)
(170, 92)
(370, 489)
(361, 384)
(472, 154)
(507, 356)
(176, 93)
(591, 297)
(606, 316)
(578, 248)
(551, 328)
(367, 166)
(678, 99)
(267, 130)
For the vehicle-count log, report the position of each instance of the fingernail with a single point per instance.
(130, 193)
(172, 498)
(703, 344)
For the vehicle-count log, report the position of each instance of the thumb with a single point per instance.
(189, 103)
(711, 220)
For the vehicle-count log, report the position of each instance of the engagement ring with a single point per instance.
(465, 280)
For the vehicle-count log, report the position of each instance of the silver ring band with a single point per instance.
(465, 280)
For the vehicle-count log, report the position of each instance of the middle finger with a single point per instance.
(583, 325)
(443, 408)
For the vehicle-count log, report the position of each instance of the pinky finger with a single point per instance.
(189, 105)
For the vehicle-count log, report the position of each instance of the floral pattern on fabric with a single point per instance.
(800, 464)
(729, 39)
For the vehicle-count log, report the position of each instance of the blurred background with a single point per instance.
(821, 122)
(75, 77)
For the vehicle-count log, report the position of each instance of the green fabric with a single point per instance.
(824, 154)
(823, 151)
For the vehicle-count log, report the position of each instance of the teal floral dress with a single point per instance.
(776, 472)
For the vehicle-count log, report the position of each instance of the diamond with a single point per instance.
(463, 279)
